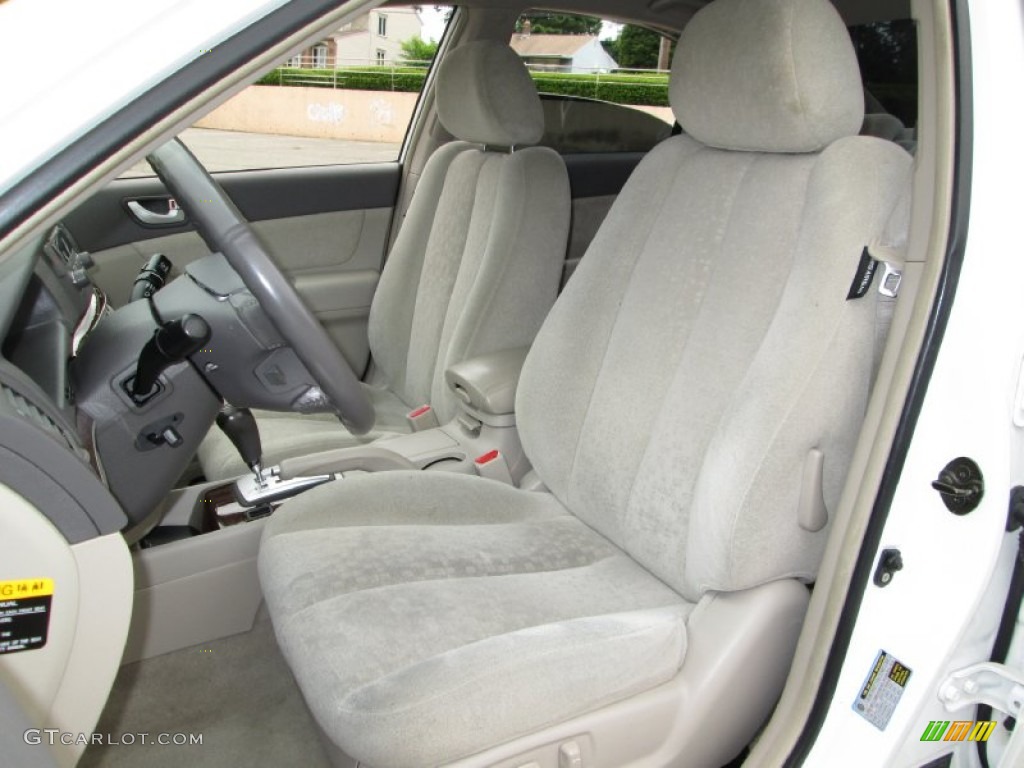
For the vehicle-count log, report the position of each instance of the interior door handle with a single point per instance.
(174, 215)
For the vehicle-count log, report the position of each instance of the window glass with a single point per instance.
(346, 99)
(604, 84)
(887, 53)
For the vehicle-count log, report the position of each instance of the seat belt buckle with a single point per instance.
(889, 285)
(891, 260)
(422, 418)
(493, 466)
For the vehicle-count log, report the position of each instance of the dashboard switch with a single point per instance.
(164, 431)
(171, 437)
(152, 277)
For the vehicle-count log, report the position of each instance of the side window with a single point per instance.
(349, 98)
(604, 85)
(887, 53)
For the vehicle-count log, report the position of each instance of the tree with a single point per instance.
(542, 23)
(418, 52)
(887, 52)
(637, 47)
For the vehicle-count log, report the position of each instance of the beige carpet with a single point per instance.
(237, 692)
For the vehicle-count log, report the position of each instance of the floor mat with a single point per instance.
(237, 693)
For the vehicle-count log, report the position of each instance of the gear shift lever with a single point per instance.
(240, 426)
(257, 496)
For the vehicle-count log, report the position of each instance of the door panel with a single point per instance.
(341, 302)
(327, 228)
(103, 221)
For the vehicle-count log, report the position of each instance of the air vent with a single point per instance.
(62, 245)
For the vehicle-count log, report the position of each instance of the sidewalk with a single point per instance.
(236, 151)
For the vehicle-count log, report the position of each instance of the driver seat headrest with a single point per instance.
(486, 96)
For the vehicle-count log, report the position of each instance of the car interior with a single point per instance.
(549, 444)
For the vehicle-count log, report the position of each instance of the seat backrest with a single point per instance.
(705, 354)
(477, 263)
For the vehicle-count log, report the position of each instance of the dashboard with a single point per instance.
(69, 416)
(45, 306)
(106, 406)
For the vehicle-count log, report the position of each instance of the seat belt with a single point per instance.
(889, 253)
(885, 302)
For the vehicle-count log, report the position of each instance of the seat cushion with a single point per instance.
(284, 435)
(428, 616)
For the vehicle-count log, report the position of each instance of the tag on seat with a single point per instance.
(863, 276)
(892, 272)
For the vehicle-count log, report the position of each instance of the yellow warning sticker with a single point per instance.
(25, 588)
(24, 614)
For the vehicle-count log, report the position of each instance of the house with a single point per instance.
(562, 53)
(374, 38)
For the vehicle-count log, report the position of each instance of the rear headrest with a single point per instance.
(485, 95)
(767, 75)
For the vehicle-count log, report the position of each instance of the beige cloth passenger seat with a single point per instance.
(690, 405)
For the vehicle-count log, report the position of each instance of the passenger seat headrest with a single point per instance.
(767, 76)
(485, 95)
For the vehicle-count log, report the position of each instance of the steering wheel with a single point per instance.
(226, 230)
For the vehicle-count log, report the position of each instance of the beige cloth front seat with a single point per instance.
(675, 403)
(475, 268)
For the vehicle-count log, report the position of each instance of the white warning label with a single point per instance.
(882, 690)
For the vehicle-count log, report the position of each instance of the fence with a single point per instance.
(641, 87)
